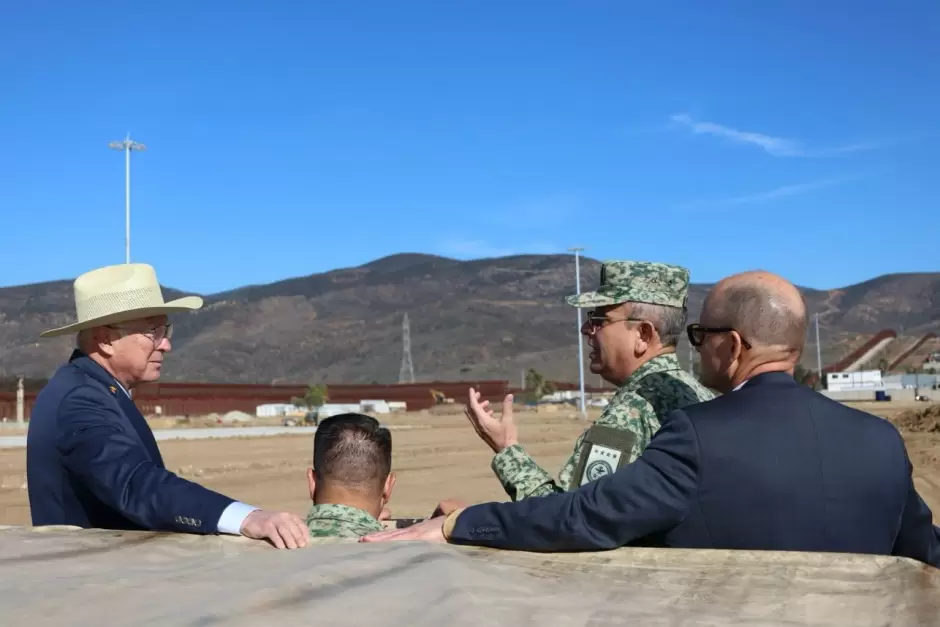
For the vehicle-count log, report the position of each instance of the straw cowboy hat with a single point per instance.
(121, 293)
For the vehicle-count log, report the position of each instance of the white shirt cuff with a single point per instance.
(232, 518)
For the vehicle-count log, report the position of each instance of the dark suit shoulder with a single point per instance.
(67, 377)
(69, 389)
(79, 377)
(822, 404)
(798, 400)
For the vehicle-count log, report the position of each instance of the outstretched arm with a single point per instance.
(522, 477)
(518, 473)
(113, 465)
(649, 496)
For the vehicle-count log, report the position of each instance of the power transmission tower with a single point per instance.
(406, 373)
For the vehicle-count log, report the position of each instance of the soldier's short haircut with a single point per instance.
(669, 322)
(761, 315)
(352, 450)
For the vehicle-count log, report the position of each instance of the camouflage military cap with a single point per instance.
(637, 282)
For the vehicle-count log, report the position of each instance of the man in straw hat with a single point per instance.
(91, 458)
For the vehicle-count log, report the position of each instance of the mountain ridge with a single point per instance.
(483, 318)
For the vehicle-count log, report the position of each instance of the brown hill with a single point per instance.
(469, 319)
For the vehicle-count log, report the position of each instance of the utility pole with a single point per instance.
(406, 373)
(20, 401)
(127, 146)
(577, 274)
(819, 371)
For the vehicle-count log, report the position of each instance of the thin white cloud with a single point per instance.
(775, 146)
(784, 191)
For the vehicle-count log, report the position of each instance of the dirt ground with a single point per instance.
(436, 456)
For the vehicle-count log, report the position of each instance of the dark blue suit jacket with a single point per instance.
(774, 466)
(92, 461)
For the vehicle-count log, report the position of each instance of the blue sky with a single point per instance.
(286, 138)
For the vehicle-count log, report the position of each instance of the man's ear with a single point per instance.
(647, 332)
(104, 342)
(389, 486)
(312, 483)
(644, 337)
(737, 346)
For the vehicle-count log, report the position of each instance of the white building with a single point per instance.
(859, 380)
(374, 407)
(335, 409)
(270, 410)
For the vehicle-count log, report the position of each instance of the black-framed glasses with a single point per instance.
(156, 333)
(697, 333)
(597, 321)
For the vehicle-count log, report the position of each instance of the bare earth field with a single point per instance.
(436, 456)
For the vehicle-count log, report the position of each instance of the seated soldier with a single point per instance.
(351, 479)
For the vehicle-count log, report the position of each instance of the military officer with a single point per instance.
(351, 480)
(634, 322)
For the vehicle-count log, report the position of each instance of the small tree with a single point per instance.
(536, 386)
(807, 377)
(315, 396)
(799, 373)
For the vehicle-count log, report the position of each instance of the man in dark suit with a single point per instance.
(769, 465)
(91, 458)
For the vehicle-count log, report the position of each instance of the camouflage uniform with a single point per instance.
(340, 521)
(655, 389)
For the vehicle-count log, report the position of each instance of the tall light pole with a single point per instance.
(577, 279)
(127, 146)
(818, 352)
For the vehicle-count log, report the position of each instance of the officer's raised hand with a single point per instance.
(498, 433)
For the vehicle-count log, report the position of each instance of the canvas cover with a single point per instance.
(84, 578)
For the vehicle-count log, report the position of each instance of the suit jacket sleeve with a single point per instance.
(918, 538)
(651, 495)
(113, 465)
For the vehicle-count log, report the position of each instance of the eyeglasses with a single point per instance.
(697, 333)
(156, 333)
(597, 321)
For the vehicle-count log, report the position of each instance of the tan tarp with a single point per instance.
(65, 577)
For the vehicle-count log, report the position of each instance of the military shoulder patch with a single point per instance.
(604, 450)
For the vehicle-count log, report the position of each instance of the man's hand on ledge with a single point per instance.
(431, 530)
(282, 529)
(447, 506)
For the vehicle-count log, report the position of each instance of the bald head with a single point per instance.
(766, 309)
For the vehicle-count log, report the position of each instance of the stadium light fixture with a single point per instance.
(127, 146)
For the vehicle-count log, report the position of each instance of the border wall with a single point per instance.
(178, 399)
